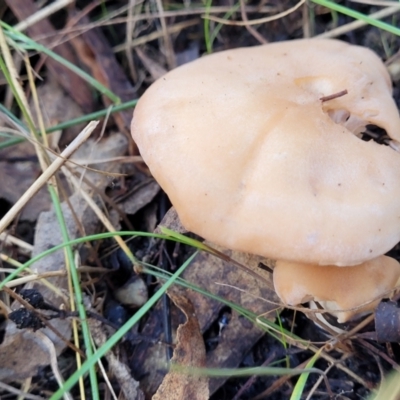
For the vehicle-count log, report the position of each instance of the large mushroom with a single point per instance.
(257, 154)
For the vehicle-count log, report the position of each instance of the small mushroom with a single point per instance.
(345, 292)
(253, 159)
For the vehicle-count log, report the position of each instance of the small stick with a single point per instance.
(334, 96)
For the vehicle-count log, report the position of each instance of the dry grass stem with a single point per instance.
(6, 53)
(250, 29)
(105, 375)
(341, 30)
(199, 11)
(9, 96)
(45, 282)
(284, 379)
(75, 331)
(102, 217)
(319, 381)
(43, 157)
(12, 240)
(168, 47)
(13, 390)
(111, 19)
(256, 21)
(119, 159)
(366, 321)
(307, 23)
(43, 318)
(42, 14)
(130, 27)
(172, 29)
(48, 344)
(306, 345)
(47, 174)
(380, 3)
(26, 385)
(34, 277)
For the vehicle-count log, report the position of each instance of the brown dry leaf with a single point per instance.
(57, 106)
(14, 363)
(149, 360)
(48, 235)
(93, 49)
(17, 177)
(224, 279)
(99, 155)
(239, 287)
(19, 168)
(75, 86)
(189, 352)
(116, 368)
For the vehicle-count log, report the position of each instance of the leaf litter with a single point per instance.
(205, 332)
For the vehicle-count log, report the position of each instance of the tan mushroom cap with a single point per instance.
(337, 288)
(252, 159)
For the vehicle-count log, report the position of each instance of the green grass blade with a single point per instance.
(77, 291)
(240, 372)
(301, 382)
(15, 92)
(274, 330)
(26, 43)
(359, 16)
(99, 236)
(226, 16)
(72, 122)
(6, 66)
(267, 325)
(10, 115)
(389, 388)
(183, 239)
(149, 269)
(207, 38)
(114, 339)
